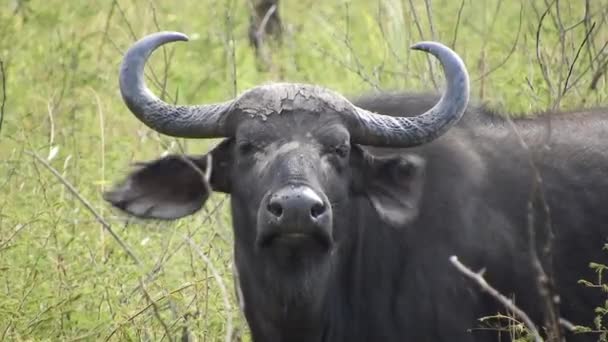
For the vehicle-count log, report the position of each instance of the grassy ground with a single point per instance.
(63, 277)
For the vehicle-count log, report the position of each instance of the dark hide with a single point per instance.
(398, 215)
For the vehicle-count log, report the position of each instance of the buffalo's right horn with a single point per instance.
(204, 121)
(382, 130)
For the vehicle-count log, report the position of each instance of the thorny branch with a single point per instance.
(508, 303)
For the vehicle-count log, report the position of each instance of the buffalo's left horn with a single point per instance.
(204, 121)
(380, 130)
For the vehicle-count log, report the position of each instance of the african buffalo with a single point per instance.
(344, 219)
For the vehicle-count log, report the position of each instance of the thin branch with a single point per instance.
(156, 310)
(578, 52)
(539, 58)
(506, 302)
(587, 20)
(206, 177)
(564, 58)
(602, 49)
(544, 279)
(220, 284)
(453, 45)
(428, 57)
(427, 4)
(18, 228)
(511, 52)
(88, 205)
(104, 37)
(140, 312)
(260, 31)
(596, 77)
(3, 93)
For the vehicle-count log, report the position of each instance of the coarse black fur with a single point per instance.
(398, 215)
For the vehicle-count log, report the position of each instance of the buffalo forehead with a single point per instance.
(278, 98)
(293, 155)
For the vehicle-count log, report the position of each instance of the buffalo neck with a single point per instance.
(313, 306)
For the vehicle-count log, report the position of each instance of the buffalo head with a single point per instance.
(292, 161)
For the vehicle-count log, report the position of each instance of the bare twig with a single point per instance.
(3, 72)
(104, 37)
(206, 177)
(358, 70)
(564, 59)
(453, 45)
(511, 52)
(156, 310)
(259, 33)
(539, 57)
(597, 57)
(427, 4)
(264, 20)
(231, 48)
(150, 276)
(140, 312)
(544, 278)
(18, 228)
(428, 57)
(508, 303)
(220, 284)
(578, 52)
(596, 77)
(587, 20)
(88, 205)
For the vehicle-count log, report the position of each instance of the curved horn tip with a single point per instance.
(451, 61)
(438, 50)
(167, 36)
(430, 46)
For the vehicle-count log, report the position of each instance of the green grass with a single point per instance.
(62, 277)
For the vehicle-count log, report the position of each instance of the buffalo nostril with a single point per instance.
(317, 210)
(275, 209)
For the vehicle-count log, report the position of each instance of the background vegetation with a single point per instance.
(64, 277)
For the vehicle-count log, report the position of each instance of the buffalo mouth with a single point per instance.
(318, 239)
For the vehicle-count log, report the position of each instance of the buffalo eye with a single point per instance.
(246, 147)
(342, 150)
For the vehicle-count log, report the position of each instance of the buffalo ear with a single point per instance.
(393, 185)
(173, 186)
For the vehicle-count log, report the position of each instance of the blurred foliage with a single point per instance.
(64, 278)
